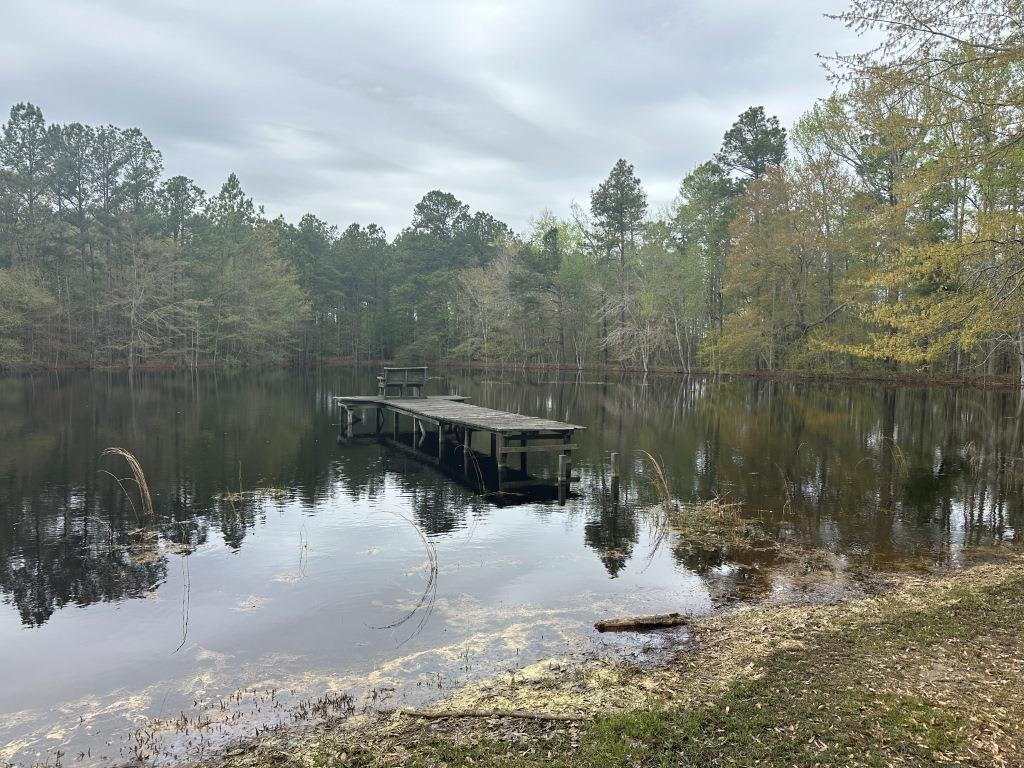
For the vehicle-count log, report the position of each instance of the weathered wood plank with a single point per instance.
(533, 448)
(454, 411)
(501, 464)
(511, 485)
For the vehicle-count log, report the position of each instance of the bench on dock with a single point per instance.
(408, 382)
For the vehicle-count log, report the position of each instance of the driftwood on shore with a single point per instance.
(517, 713)
(633, 623)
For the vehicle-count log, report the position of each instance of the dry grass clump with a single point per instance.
(659, 480)
(258, 494)
(712, 524)
(138, 476)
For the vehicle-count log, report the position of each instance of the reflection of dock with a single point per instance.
(468, 441)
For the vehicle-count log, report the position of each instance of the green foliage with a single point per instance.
(27, 315)
(619, 206)
(700, 225)
(882, 232)
(752, 145)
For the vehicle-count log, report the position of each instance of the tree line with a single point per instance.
(881, 233)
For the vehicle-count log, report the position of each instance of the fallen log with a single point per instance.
(634, 623)
(522, 714)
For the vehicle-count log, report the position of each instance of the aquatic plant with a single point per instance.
(902, 466)
(659, 480)
(711, 523)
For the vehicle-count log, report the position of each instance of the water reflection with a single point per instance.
(868, 471)
(612, 532)
(273, 557)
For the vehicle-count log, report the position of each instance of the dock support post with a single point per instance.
(343, 426)
(467, 447)
(615, 475)
(563, 478)
(440, 443)
(565, 468)
(396, 426)
(522, 457)
(499, 441)
(380, 420)
(350, 422)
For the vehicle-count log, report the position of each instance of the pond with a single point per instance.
(283, 577)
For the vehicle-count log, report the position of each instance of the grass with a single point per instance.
(891, 684)
(713, 523)
(659, 480)
(138, 476)
(930, 673)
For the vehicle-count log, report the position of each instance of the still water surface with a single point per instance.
(239, 609)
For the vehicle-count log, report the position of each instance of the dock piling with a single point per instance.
(564, 469)
(502, 462)
(615, 474)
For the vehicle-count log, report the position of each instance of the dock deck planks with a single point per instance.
(451, 409)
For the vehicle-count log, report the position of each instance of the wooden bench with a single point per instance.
(407, 382)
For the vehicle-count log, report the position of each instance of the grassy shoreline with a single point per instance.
(930, 672)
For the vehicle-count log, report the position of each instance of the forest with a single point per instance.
(880, 234)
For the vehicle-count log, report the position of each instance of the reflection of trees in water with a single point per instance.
(439, 507)
(438, 504)
(67, 534)
(728, 572)
(613, 533)
(853, 468)
(78, 559)
(893, 471)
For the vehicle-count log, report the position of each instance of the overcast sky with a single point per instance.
(353, 110)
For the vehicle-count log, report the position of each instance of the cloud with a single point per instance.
(353, 110)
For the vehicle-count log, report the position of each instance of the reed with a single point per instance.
(787, 505)
(902, 466)
(137, 475)
(659, 480)
(709, 523)
(973, 455)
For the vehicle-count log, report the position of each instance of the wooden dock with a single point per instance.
(471, 443)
